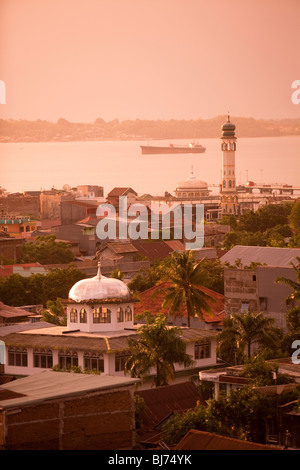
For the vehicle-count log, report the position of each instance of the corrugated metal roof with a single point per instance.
(272, 256)
(160, 402)
(200, 440)
(49, 385)
(7, 311)
(18, 327)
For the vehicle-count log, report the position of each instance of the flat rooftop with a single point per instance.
(49, 385)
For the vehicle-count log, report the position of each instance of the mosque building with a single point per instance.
(100, 319)
(228, 190)
(192, 188)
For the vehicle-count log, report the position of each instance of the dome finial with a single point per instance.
(228, 117)
(99, 270)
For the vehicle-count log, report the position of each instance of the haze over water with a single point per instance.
(32, 166)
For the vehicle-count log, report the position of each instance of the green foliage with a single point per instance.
(186, 276)
(159, 347)
(212, 275)
(259, 371)
(46, 250)
(242, 415)
(294, 218)
(17, 290)
(240, 332)
(270, 225)
(55, 313)
(146, 279)
(117, 274)
(75, 370)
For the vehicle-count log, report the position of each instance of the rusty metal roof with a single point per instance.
(200, 440)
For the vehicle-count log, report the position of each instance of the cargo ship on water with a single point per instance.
(193, 147)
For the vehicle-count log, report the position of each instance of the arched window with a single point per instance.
(42, 358)
(128, 314)
(83, 316)
(101, 315)
(120, 315)
(67, 359)
(230, 184)
(224, 184)
(73, 315)
(94, 361)
(17, 357)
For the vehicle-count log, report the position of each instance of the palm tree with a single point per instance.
(251, 328)
(159, 347)
(295, 285)
(293, 315)
(186, 276)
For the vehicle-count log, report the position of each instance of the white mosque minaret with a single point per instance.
(229, 199)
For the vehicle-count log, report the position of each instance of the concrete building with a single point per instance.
(11, 248)
(75, 210)
(18, 226)
(249, 280)
(82, 232)
(67, 411)
(100, 319)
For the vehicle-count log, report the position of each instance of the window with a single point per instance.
(120, 315)
(17, 357)
(202, 349)
(245, 307)
(73, 315)
(128, 314)
(67, 359)
(120, 361)
(94, 362)
(224, 184)
(83, 316)
(42, 358)
(230, 184)
(101, 315)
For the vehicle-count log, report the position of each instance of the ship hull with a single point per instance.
(148, 149)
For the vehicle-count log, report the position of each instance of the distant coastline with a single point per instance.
(62, 130)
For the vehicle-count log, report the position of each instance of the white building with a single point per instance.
(192, 188)
(229, 199)
(100, 319)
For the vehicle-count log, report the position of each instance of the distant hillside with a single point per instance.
(63, 130)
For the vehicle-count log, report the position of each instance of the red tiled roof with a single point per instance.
(160, 402)
(7, 311)
(118, 191)
(157, 249)
(91, 219)
(8, 269)
(151, 300)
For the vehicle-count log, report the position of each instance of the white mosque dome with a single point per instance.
(99, 288)
(192, 183)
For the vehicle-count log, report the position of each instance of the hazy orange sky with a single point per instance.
(148, 59)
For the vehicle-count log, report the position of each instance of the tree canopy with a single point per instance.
(17, 290)
(47, 250)
(158, 347)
